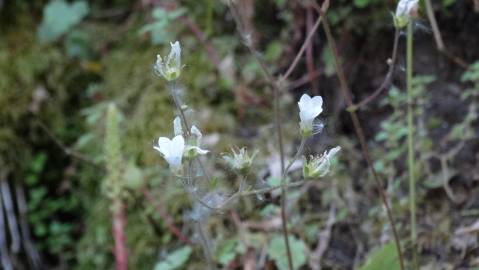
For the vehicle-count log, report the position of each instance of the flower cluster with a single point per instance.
(186, 145)
(406, 9)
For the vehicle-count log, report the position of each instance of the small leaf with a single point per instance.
(277, 252)
(175, 260)
(382, 258)
(361, 3)
(59, 17)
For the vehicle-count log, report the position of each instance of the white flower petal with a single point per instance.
(172, 150)
(177, 126)
(405, 7)
(200, 151)
(178, 145)
(304, 101)
(164, 146)
(195, 131)
(332, 152)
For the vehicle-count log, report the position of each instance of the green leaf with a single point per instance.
(361, 3)
(382, 258)
(175, 260)
(159, 28)
(227, 251)
(277, 252)
(133, 176)
(59, 17)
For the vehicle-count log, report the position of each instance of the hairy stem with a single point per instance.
(410, 144)
(206, 244)
(277, 121)
(172, 86)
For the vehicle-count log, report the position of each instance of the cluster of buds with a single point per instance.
(405, 11)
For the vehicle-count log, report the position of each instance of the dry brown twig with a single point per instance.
(324, 237)
(438, 37)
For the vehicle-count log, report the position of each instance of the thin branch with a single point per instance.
(304, 46)
(165, 217)
(387, 80)
(438, 37)
(10, 212)
(32, 253)
(67, 150)
(277, 122)
(360, 134)
(210, 50)
(324, 237)
(4, 254)
(309, 50)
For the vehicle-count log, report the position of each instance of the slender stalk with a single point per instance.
(296, 156)
(205, 243)
(277, 122)
(410, 145)
(173, 90)
(360, 134)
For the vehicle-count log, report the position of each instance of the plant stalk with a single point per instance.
(121, 257)
(410, 144)
(346, 92)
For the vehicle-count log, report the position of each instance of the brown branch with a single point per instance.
(210, 50)
(360, 133)
(310, 35)
(67, 150)
(323, 240)
(166, 218)
(438, 37)
(309, 51)
(387, 80)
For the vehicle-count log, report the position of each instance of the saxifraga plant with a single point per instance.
(183, 152)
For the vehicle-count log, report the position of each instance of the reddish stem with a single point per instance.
(120, 253)
(166, 218)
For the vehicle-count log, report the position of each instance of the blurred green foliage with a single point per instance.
(89, 58)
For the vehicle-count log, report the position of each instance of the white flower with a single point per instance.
(172, 150)
(309, 109)
(172, 68)
(318, 166)
(404, 11)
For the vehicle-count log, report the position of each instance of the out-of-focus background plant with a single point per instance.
(63, 62)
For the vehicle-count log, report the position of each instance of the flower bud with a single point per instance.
(318, 166)
(405, 10)
(240, 161)
(171, 69)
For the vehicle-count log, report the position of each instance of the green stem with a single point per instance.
(410, 144)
